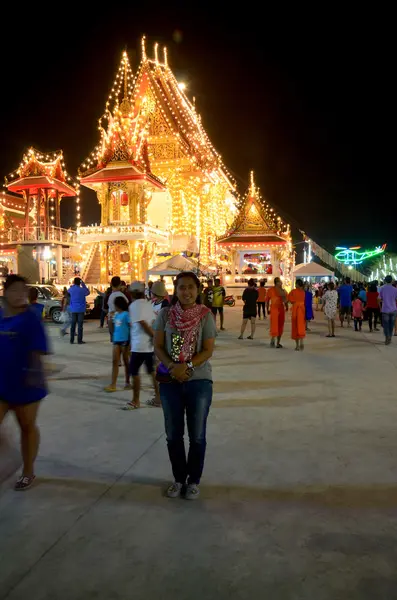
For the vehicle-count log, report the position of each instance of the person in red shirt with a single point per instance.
(372, 306)
(261, 301)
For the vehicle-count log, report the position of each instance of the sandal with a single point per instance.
(24, 483)
(110, 388)
(152, 402)
(240, 337)
(128, 386)
(279, 346)
(250, 337)
(130, 406)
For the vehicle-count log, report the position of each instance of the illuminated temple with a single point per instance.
(162, 188)
(258, 244)
(161, 184)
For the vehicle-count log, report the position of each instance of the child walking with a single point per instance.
(357, 313)
(121, 342)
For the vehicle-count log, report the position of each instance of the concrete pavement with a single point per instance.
(299, 493)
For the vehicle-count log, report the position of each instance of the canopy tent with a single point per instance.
(311, 270)
(175, 265)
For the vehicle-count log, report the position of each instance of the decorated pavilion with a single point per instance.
(258, 245)
(30, 226)
(161, 184)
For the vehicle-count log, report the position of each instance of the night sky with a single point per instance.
(306, 100)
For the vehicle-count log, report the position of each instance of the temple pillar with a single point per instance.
(58, 258)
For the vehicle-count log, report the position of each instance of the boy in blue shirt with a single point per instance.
(345, 293)
(37, 308)
(121, 342)
(22, 380)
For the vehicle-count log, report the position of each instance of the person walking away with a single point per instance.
(298, 319)
(66, 316)
(358, 312)
(121, 343)
(159, 299)
(345, 293)
(37, 308)
(141, 321)
(372, 307)
(218, 298)
(309, 316)
(100, 300)
(388, 297)
(261, 301)
(209, 294)
(78, 293)
(184, 343)
(116, 293)
(22, 379)
(394, 284)
(276, 302)
(330, 307)
(250, 299)
(148, 290)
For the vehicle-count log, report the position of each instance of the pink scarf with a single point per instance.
(187, 323)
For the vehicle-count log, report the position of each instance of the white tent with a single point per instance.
(311, 270)
(173, 266)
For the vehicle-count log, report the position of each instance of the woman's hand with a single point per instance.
(179, 371)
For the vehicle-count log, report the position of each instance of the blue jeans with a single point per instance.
(77, 319)
(194, 398)
(388, 320)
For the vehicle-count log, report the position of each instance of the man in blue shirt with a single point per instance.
(345, 293)
(78, 293)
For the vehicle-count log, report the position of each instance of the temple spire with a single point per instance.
(143, 43)
(156, 56)
(165, 56)
(252, 188)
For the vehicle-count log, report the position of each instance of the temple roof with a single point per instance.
(129, 115)
(256, 221)
(39, 171)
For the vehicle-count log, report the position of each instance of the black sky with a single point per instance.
(306, 100)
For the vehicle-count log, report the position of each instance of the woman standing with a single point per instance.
(22, 381)
(330, 307)
(372, 307)
(184, 342)
(298, 320)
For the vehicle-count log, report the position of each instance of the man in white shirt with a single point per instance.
(116, 284)
(142, 352)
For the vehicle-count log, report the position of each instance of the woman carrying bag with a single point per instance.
(184, 342)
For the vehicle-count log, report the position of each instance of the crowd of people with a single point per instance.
(173, 338)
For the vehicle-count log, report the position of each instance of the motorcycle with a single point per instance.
(229, 300)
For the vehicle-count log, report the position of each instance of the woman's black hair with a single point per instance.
(11, 279)
(373, 287)
(299, 283)
(121, 303)
(196, 281)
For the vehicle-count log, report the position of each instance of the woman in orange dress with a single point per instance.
(298, 319)
(277, 299)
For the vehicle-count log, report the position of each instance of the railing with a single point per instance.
(118, 231)
(35, 234)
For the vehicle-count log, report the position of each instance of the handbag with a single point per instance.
(163, 374)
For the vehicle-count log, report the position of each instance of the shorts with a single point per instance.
(216, 309)
(138, 359)
(249, 314)
(122, 344)
(345, 310)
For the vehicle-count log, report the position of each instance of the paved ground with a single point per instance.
(299, 498)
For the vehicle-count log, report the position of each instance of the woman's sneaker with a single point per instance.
(192, 491)
(175, 490)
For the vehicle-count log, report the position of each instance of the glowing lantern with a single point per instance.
(124, 257)
(124, 199)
